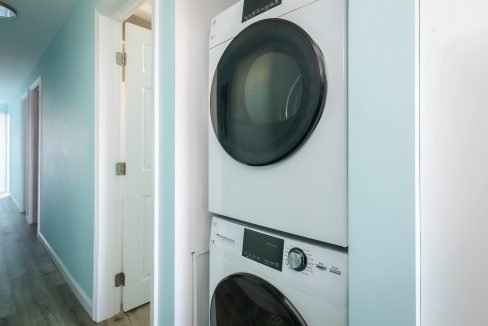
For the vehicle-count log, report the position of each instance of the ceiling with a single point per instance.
(24, 39)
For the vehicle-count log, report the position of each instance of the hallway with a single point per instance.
(32, 290)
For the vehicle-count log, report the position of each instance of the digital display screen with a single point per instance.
(263, 248)
(253, 8)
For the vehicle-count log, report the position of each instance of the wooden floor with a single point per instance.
(32, 290)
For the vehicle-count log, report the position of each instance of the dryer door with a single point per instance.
(244, 299)
(268, 92)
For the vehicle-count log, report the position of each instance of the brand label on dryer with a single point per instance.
(253, 8)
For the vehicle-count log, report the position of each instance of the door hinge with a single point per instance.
(120, 168)
(121, 58)
(119, 279)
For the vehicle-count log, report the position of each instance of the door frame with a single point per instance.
(6, 134)
(26, 149)
(23, 150)
(8, 153)
(37, 84)
(108, 201)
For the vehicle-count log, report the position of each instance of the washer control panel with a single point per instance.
(309, 261)
(317, 269)
(297, 259)
(263, 248)
(276, 252)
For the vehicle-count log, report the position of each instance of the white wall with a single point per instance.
(3, 148)
(454, 162)
(192, 224)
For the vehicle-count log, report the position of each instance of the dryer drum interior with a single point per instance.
(268, 92)
(243, 299)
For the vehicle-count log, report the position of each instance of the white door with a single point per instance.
(139, 143)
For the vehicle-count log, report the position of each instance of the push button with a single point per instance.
(321, 267)
(335, 271)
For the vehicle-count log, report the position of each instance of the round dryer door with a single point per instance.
(268, 92)
(244, 299)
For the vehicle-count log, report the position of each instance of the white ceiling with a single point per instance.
(24, 39)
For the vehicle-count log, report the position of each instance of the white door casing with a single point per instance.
(139, 152)
(24, 106)
(32, 156)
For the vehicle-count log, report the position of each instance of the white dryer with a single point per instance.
(278, 116)
(262, 278)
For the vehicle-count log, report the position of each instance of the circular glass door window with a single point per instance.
(268, 92)
(244, 300)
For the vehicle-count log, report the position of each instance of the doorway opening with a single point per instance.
(125, 138)
(30, 140)
(4, 151)
(137, 133)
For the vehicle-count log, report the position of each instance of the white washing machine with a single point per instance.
(262, 278)
(278, 116)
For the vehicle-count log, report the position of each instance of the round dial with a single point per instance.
(297, 259)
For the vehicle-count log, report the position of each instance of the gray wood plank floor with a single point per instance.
(32, 290)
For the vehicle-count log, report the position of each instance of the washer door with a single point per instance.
(268, 92)
(244, 299)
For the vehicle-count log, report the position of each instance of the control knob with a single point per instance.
(297, 259)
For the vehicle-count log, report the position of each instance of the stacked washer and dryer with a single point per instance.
(278, 164)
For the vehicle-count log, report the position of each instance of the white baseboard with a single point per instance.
(80, 294)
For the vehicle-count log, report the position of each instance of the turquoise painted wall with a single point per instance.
(382, 162)
(67, 162)
(166, 199)
(4, 107)
(15, 162)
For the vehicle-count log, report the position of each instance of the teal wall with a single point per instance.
(67, 164)
(15, 161)
(166, 72)
(4, 107)
(382, 162)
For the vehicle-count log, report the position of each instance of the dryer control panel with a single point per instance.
(253, 8)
